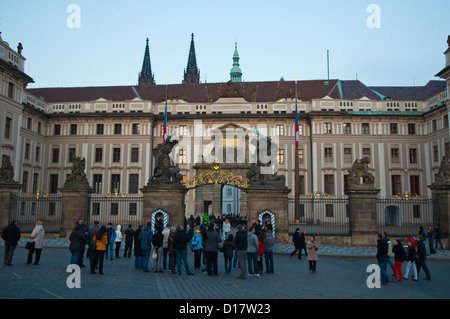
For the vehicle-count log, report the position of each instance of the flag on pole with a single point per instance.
(296, 114)
(165, 124)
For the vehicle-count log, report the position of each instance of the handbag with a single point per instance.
(29, 245)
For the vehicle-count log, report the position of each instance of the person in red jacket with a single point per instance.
(260, 254)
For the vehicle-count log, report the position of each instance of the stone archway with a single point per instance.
(267, 213)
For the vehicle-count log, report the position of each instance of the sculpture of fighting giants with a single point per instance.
(443, 175)
(165, 170)
(6, 171)
(360, 168)
(78, 175)
(255, 175)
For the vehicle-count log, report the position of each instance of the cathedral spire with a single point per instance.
(191, 73)
(236, 73)
(146, 77)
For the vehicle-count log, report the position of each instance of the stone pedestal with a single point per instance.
(75, 204)
(441, 197)
(5, 201)
(363, 215)
(168, 196)
(273, 198)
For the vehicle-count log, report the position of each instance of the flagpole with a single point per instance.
(165, 112)
(297, 191)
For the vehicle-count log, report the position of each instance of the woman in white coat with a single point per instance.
(226, 228)
(118, 240)
(37, 236)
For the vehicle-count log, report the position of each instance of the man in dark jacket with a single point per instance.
(296, 241)
(129, 235)
(211, 240)
(241, 245)
(382, 254)
(146, 237)
(11, 236)
(421, 256)
(180, 243)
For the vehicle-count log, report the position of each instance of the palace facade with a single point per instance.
(403, 130)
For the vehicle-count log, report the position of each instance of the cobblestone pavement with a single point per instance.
(336, 278)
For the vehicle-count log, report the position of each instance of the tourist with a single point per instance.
(390, 245)
(411, 257)
(241, 241)
(37, 236)
(226, 228)
(85, 230)
(90, 240)
(166, 233)
(146, 237)
(180, 242)
(399, 258)
(158, 240)
(296, 241)
(111, 232)
(430, 235)
(269, 243)
(171, 250)
(118, 240)
(437, 237)
(303, 245)
(421, 256)
(228, 248)
(129, 235)
(101, 241)
(211, 245)
(252, 252)
(11, 236)
(77, 242)
(196, 244)
(382, 251)
(313, 247)
(137, 249)
(260, 253)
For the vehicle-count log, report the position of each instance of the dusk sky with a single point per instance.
(104, 45)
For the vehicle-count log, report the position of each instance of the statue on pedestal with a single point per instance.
(360, 168)
(165, 170)
(443, 175)
(6, 171)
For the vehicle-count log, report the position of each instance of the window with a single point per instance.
(98, 154)
(71, 154)
(366, 152)
(434, 125)
(329, 210)
(347, 155)
(301, 185)
(414, 184)
(95, 208)
(413, 156)
(55, 155)
(327, 128)
(411, 129)
(73, 129)
(98, 182)
(114, 209)
(115, 182)
(395, 157)
(53, 183)
(416, 211)
(29, 123)
(11, 90)
(346, 183)
(328, 155)
(445, 121)
(135, 128)
(183, 130)
(116, 155)
(133, 209)
(181, 156)
(8, 127)
(25, 181)
(329, 184)
(57, 129)
(134, 154)
(396, 184)
(347, 128)
(279, 129)
(100, 129)
(37, 154)
(435, 153)
(27, 150)
(133, 184)
(365, 128)
(300, 156)
(280, 156)
(39, 127)
(393, 128)
(118, 128)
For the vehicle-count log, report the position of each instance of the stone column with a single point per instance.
(6, 189)
(75, 204)
(168, 196)
(271, 197)
(441, 198)
(363, 214)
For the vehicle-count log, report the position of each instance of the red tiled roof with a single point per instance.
(193, 93)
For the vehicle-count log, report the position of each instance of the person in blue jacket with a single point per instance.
(146, 237)
(111, 236)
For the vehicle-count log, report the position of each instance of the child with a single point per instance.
(399, 257)
(412, 259)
